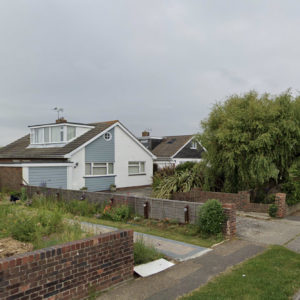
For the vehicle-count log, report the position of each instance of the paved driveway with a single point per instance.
(275, 231)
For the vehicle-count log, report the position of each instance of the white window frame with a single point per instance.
(92, 169)
(62, 129)
(109, 136)
(139, 164)
(194, 145)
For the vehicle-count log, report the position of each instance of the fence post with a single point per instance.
(146, 208)
(186, 214)
(280, 202)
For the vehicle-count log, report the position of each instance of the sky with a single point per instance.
(158, 65)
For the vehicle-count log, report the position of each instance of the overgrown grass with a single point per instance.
(275, 274)
(40, 227)
(144, 253)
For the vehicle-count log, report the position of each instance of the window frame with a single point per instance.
(194, 145)
(135, 164)
(101, 175)
(63, 133)
(110, 136)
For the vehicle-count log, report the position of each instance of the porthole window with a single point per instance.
(107, 136)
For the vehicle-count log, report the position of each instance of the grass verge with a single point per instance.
(275, 274)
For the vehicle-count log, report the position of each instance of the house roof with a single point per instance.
(170, 145)
(18, 149)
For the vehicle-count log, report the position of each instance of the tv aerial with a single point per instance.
(58, 110)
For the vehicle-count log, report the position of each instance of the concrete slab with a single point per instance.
(178, 251)
(153, 267)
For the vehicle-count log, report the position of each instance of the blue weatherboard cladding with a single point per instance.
(53, 177)
(100, 151)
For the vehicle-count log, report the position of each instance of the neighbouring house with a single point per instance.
(172, 150)
(73, 156)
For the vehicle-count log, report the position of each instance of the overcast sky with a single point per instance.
(150, 64)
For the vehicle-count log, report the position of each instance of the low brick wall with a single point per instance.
(68, 271)
(157, 208)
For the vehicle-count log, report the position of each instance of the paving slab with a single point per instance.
(178, 251)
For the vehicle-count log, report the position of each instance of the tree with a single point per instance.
(251, 140)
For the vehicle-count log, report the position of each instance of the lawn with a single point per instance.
(275, 274)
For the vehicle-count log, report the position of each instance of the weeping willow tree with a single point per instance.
(251, 140)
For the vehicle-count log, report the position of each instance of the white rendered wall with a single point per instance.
(126, 149)
(76, 180)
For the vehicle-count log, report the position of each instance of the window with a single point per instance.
(71, 132)
(194, 145)
(46, 134)
(136, 167)
(55, 134)
(38, 135)
(107, 136)
(99, 169)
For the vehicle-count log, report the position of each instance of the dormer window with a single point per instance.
(194, 145)
(56, 135)
(53, 134)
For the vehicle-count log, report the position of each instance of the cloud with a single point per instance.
(151, 64)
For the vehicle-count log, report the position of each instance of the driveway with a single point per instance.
(269, 232)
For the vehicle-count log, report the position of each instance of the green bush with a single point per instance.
(143, 253)
(211, 217)
(117, 213)
(188, 165)
(273, 210)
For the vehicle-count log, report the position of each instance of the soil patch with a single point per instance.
(9, 247)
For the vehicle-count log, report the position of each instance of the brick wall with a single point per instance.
(158, 208)
(69, 271)
(11, 178)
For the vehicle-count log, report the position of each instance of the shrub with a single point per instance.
(188, 165)
(273, 210)
(117, 213)
(182, 181)
(144, 253)
(211, 217)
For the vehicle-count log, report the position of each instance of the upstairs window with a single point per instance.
(136, 167)
(194, 145)
(71, 132)
(52, 134)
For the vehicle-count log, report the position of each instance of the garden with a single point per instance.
(42, 221)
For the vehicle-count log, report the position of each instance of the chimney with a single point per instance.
(61, 120)
(145, 133)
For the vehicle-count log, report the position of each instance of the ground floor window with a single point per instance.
(97, 169)
(136, 167)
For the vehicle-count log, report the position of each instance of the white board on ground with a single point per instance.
(153, 267)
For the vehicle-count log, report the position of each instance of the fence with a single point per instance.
(68, 271)
(160, 209)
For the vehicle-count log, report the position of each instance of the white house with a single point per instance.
(172, 150)
(74, 155)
